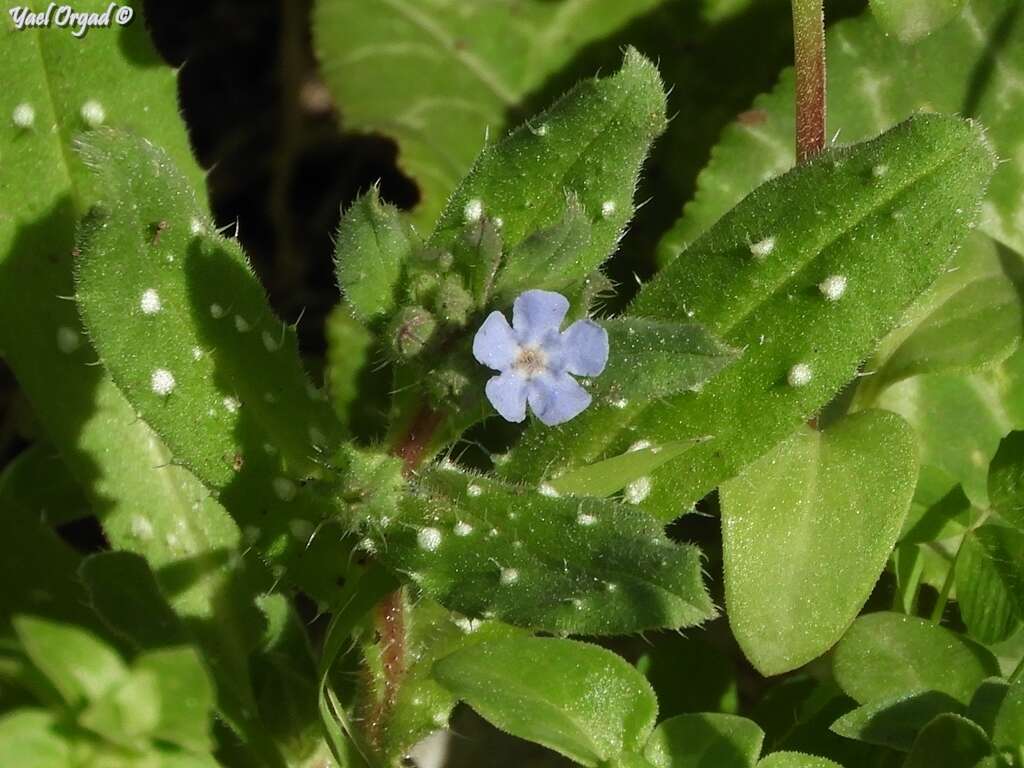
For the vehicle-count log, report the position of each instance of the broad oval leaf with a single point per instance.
(887, 655)
(561, 564)
(806, 531)
(998, 706)
(703, 739)
(578, 699)
(438, 76)
(831, 217)
(951, 741)
(990, 582)
(896, 723)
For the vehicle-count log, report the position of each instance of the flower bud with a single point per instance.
(410, 331)
(453, 302)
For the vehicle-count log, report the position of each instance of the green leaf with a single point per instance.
(439, 76)
(951, 741)
(896, 723)
(911, 20)
(696, 740)
(585, 566)
(650, 359)
(574, 698)
(370, 250)
(593, 143)
(887, 655)
(990, 582)
(30, 738)
(830, 217)
(959, 420)
(153, 271)
(38, 569)
(998, 707)
(186, 697)
(970, 67)
(348, 351)
(145, 503)
(795, 760)
(79, 665)
(807, 529)
(929, 520)
(548, 259)
(123, 591)
(1006, 479)
(970, 318)
(126, 714)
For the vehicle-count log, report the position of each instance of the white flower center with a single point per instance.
(531, 361)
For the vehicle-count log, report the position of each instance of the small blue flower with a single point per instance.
(536, 359)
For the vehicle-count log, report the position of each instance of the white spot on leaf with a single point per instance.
(607, 208)
(463, 529)
(833, 287)
(638, 490)
(428, 539)
(241, 324)
(508, 576)
(474, 490)
(68, 339)
(150, 302)
(93, 113)
(24, 115)
(231, 404)
(285, 488)
(799, 375)
(473, 211)
(162, 382)
(762, 248)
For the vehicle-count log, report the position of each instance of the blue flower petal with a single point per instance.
(507, 394)
(495, 343)
(585, 348)
(536, 314)
(556, 398)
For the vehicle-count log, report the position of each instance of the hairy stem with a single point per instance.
(809, 56)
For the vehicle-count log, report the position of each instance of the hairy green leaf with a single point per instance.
(592, 145)
(696, 740)
(972, 66)
(806, 531)
(1006, 479)
(370, 250)
(887, 655)
(761, 280)
(795, 760)
(439, 76)
(933, 520)
(577, 699)
(998, 707)
(580, 565)
(348, 349)
(990, 582)
(896, 723)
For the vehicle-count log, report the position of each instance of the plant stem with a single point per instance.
(809, 57)
(947, 587)
(1017, 674)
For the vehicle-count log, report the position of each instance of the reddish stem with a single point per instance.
(809, 50)
(413, 447)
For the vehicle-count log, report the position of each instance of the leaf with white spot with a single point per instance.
(586, 566)
(973, 66)
(596, 139)
(806, 531)
(439, 76)
(890, 236)
(145, 503)
(247, 384)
